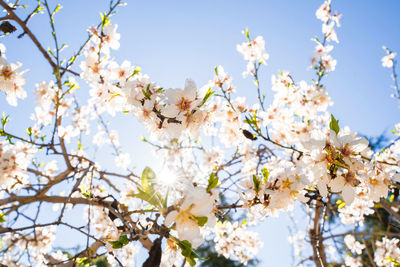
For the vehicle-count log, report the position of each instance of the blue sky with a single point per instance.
(174, 40)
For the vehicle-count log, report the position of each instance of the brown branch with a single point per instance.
(389, 209)
(370, 257)
(316, 240)
(78, 53)
(59, 178)
(233, 206)
(87, 253)
(24, 26)
(53, 199)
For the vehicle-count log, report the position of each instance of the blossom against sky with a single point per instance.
(179, 40)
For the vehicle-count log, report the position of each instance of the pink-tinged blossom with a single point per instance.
(350, 261)
(233, 240)
(324, 11)
(196, 206)
(11, 79)
(123, 160)
(111, 37)
(39, 243)
(181, 102)
(387, 252)
(91, 67)
(121, 72)
(330, 33)
(126, 255)
(222, 78)
(67, 133)
(388, 60)
(14, 161)
(356, 211)
(253, 51)
(51, 168)
(353, 245)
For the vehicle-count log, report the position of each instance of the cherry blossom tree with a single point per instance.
(264, 159)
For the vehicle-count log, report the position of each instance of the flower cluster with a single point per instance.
(322, 61)
(331, 160)
(387, 252)
(355, 213)
(297, 110)
(39, 244)
(291, 150)
(14, 160)
(121, 87)
(253, 52)
(234, 240)
(353, 245)
(11, 78)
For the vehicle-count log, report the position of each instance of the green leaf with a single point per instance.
(265, 174)
(334, 125)
(2, 217)
(74, 86)
(72, 59)
(191, 261)
(58, 7)
(207, 96)
(390, 259)
(187, 252)
(247, 33)
(256, 183)
(105, 21)
(147, 179)
(123, 240)
(149, 198)
(212, 182)
(83, 262)
(256, 82)
(85, 193)
(148, 194)
(146, 94)
(201, 221)
(251, 120)
(50, 52)
(63, 47)
(79, 145)
(164, 201)
(136, 71)
(4, 119)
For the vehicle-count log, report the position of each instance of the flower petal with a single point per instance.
(169, 220)
(337, 184)
(348, 194)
